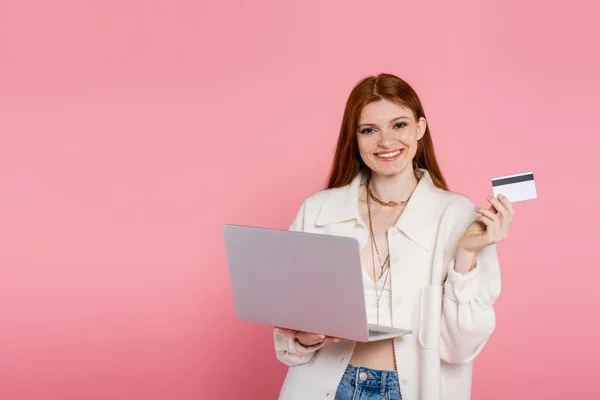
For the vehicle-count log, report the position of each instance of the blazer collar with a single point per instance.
(417, 221)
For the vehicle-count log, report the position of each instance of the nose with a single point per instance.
(386, 138)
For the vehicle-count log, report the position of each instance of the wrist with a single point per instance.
(465, 260)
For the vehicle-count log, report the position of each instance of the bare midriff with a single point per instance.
(375, 355)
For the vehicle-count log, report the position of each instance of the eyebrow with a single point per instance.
(392, 121)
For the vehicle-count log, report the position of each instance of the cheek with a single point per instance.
(365, 144)
(410, 138)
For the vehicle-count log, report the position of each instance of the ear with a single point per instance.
(421, 127)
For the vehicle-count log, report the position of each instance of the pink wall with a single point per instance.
(130, 131)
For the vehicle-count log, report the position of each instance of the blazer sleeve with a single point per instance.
(468, 316)
(287, 349)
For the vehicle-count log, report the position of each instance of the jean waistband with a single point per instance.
(361, 376)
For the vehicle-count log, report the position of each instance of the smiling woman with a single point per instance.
(428, 255)
(388, 132)
(383, 110)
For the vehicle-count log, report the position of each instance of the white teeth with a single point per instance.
(389, 155)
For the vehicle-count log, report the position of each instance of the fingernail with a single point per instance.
(489, 197)
(501, 196)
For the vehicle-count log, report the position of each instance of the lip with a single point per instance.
(390, 159)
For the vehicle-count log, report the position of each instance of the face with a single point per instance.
(387, 137)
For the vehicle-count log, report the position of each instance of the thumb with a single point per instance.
(286, 332)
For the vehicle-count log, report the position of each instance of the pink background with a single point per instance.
(130, 131)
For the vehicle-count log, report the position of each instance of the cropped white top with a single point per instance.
(385, 309)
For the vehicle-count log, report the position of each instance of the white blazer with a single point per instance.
(451, 314)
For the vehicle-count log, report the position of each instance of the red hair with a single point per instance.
(347, 162)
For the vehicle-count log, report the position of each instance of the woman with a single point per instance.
(428, 254)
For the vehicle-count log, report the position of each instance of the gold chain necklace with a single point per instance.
(383, 203)
(386, 261)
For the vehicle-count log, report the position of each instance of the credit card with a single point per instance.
(515, 188)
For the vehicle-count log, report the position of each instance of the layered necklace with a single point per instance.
(385, 265)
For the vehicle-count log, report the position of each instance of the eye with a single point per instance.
(366, 130)
(400, 125)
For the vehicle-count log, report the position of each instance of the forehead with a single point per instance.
(383, 111)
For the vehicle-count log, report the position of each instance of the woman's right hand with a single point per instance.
(306, 339)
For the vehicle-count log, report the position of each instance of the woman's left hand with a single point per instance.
(490, 228)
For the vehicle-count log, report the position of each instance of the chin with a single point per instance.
(392, 170)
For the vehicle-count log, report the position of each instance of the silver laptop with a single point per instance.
(302, 281)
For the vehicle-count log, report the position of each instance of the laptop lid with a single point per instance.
(304, 281)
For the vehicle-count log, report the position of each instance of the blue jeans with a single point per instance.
(361, 383)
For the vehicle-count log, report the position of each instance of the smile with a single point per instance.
(390, 155)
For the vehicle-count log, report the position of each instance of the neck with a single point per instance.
(397, 187)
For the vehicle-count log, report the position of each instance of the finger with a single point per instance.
(506, 202)
(311, 336)
(310, 339)
(308, 343)
(492, 226)
(286, 332)
(491, 234)
(506, 218)
(504, 227)
(488, 222)
(502, 210)
(498, 228)
(488, 213)
(333, 339)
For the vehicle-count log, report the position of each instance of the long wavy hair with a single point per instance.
(347, 162)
